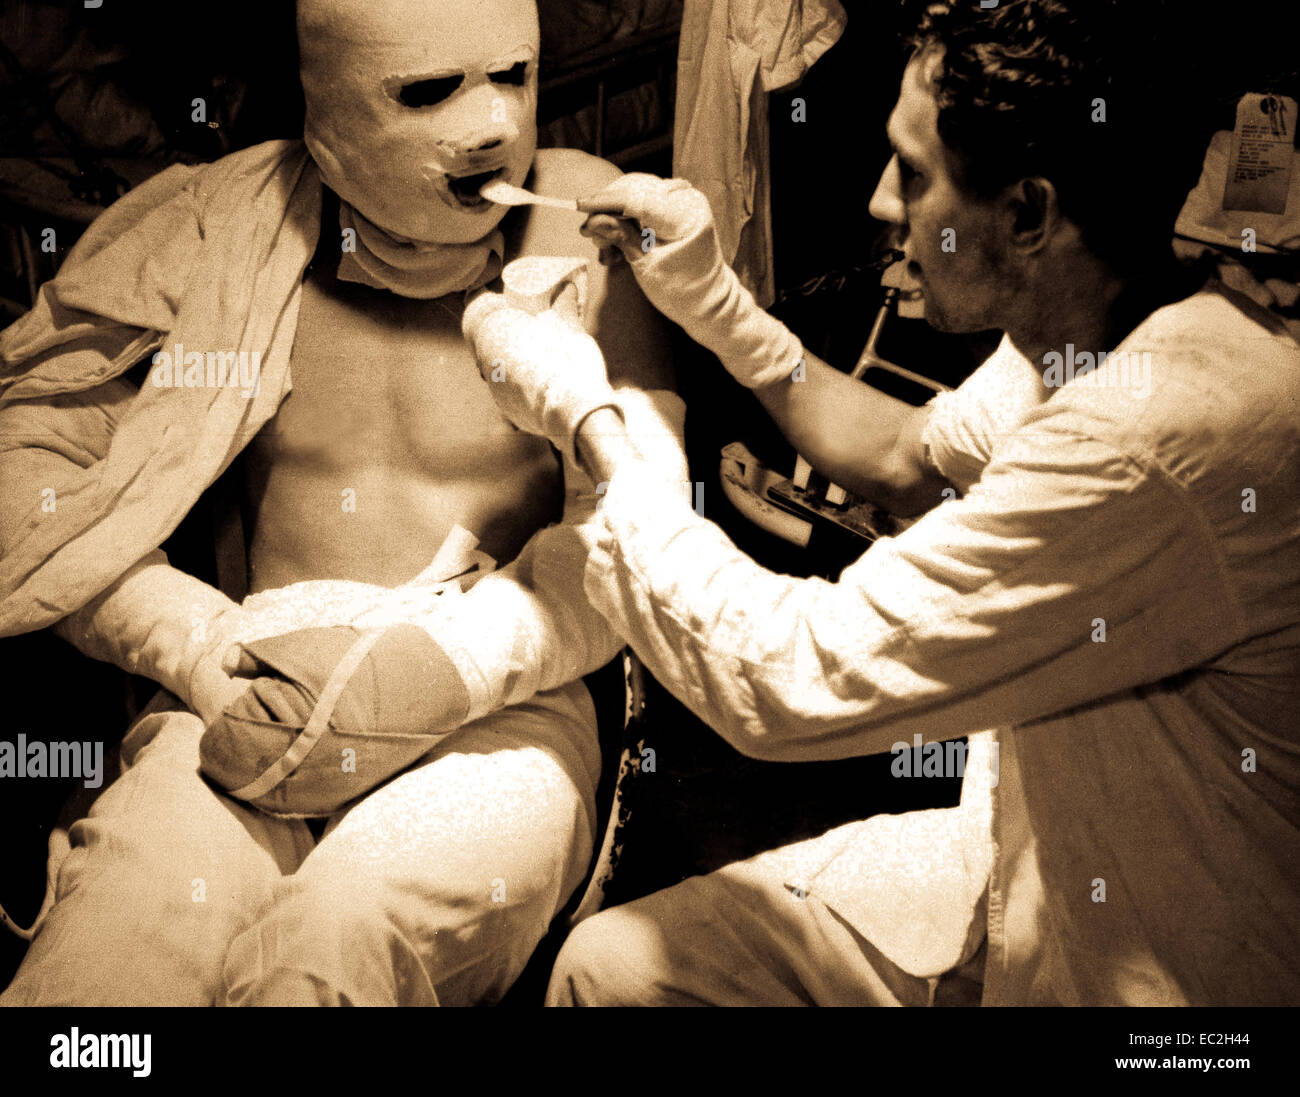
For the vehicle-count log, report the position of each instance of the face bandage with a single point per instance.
(412, 105)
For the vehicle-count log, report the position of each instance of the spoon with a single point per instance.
(503, 194)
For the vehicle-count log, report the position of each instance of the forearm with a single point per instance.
(850, 432)
(155, 621)
(526, 628)
(549, 634)
(972, 618)
(709, 623)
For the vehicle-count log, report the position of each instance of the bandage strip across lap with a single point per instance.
(336, 658)
(317, 724)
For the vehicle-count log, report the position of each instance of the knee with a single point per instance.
(316, 946)
(604, 962)
(301, 910)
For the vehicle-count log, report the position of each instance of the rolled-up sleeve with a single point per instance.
(1069, 571)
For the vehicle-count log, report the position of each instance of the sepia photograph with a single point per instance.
(642, 503)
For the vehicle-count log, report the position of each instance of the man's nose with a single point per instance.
(887, 202)
(480, 125)
(477, 141)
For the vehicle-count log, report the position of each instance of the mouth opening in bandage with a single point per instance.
(465, 188)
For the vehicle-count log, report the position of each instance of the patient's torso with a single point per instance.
(388, 439)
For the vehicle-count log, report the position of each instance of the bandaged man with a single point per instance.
(449, 740)
(1094, 571)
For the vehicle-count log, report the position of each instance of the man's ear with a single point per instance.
(1034, 211)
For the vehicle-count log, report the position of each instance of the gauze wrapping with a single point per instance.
(415, 270)
(403, 95)
(342, 673)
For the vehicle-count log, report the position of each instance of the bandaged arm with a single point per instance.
(544, 632)
(153, 619)
(159, 622)
(529, 627)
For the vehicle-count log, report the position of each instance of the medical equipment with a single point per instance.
(746, 482)
(809, 495)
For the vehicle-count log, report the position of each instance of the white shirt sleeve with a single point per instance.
(964, 425)
(1066, 573)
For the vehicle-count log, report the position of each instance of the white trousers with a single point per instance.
(434, 889)
(740, 936)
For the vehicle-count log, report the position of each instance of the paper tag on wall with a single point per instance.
(1263, 147)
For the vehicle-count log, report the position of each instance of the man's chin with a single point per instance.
(948, 321)
(917, 301)
(933, 313)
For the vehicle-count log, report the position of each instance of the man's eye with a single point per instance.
(514, 75)
(425, 93)
(907, 171)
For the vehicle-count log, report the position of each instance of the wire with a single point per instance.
(18, 931)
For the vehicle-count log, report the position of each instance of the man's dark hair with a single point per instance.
(1017, 89)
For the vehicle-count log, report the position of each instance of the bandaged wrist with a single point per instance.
(717, 311)
(756, 349)
(155, 621)
(544, 634)
(550, 374)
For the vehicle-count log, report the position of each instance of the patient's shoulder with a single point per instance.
(570, 173)
(632, 336)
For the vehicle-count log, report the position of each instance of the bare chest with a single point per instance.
(381, 377)
(388, 439)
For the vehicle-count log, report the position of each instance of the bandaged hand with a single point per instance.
(664, 228)
(212, 687)
(166, 625)
(336, 696)
(327, 714)
(546, 374)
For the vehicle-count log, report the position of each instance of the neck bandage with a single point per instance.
(413, 269)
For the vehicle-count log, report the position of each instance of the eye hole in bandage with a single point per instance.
(423, 93)
(514, 76)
